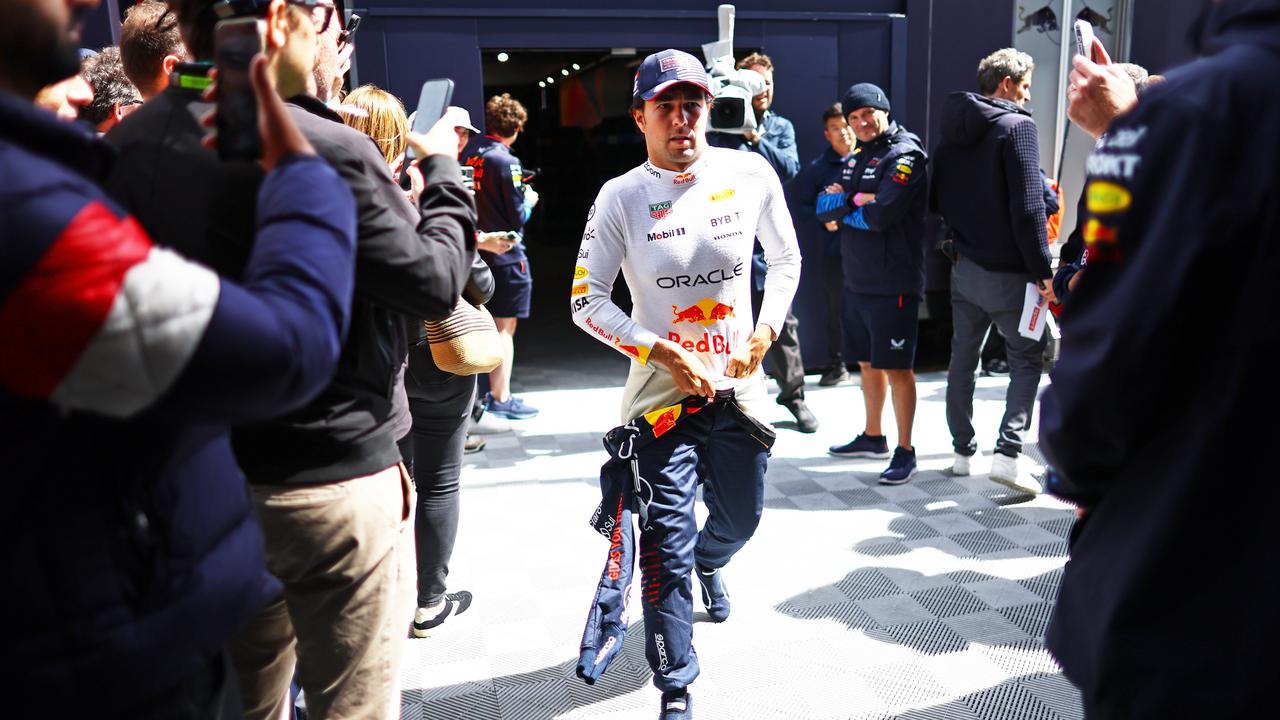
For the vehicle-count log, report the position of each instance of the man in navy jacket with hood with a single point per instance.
(1168, 605)
(988, 188)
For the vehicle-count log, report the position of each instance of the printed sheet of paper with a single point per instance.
(1035, 309)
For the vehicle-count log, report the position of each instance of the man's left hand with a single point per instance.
(752, 137)
(746, 359)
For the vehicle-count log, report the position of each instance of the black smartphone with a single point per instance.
(235, 43)
(435, 97)
(353, 23)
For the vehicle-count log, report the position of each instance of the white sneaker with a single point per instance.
(963, 464)
(1004, 470)
(490, 424)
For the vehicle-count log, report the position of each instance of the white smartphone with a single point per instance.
(1084, 38)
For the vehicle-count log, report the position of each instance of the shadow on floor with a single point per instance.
(542, 694)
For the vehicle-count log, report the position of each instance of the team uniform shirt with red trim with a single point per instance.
(683, 242)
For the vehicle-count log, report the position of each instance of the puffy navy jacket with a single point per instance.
(130, 553)
(988, 187)
(1181, 227)
(882, 242)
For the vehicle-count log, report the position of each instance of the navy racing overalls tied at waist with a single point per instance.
(624, 500)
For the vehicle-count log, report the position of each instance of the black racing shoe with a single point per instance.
(427, 619)
(677, 705)
(715, 596)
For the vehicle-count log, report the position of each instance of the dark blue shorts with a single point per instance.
(881, 329)
(512, 289)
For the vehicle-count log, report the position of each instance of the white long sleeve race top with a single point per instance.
(683, 242)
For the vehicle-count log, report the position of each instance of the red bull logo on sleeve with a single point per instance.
(704, 312)
(639, 352)
(663, 419)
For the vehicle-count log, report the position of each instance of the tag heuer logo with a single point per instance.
(657, 211)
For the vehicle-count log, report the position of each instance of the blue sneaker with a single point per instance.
(677, 705)
(715, 596)
(513, 409)
(864, 446)
(901, 468)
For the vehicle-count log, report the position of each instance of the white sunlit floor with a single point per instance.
(853, 600)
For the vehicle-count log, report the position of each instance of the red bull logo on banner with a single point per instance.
(663, 419)
(704, 312)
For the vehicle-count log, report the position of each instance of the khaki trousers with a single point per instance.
(345, 554)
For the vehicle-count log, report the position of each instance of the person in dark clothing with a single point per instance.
(988, 188)
(1181, 228)
(505, 203)
(131, 549)
(441, 404)
(325, 477)
(802, 196)
(880, 202)
(775, 139)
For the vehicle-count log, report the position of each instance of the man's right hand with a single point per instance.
(1098, 93)
(1045, 288)
(688, 372)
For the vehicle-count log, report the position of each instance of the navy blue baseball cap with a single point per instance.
(663, 69)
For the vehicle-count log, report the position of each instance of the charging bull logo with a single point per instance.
(663, 419)
(1095, 232)
(683, 179)
(704, 312)
(639, 352)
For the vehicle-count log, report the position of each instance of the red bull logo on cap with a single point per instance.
(663, 419)
(704, 312)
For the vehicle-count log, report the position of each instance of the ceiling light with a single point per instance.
(564, 72)
(542, 84)
(551, 80)
(576, 66)
(503, 57)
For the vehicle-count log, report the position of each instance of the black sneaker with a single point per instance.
(901, 469)
(834, 376)
(427, 619)
(715, 596)
(866, 446)
(996, 367)
(676, 705)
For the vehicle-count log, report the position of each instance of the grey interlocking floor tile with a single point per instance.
(853, 600)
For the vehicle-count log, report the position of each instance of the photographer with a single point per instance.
(325, 477)
(774, 137)
(132, 551)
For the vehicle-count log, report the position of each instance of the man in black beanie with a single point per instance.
(880, 203)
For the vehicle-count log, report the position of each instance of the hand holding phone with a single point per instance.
(279, 135)
(236, 42)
